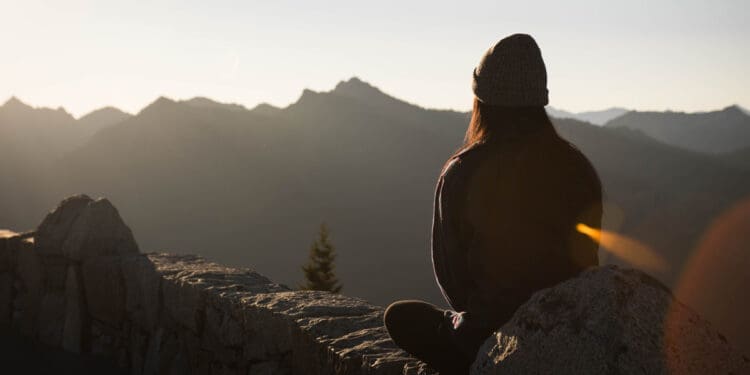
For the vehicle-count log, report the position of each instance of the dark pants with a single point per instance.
(428, 333)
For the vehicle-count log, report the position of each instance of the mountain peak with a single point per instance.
(201, 101)
(14, 102)
(366, 93)
(159, 103)
(17, 107)
(163, 100)
(265, 109)
(736, 109)
(103, 116)
(356, 87)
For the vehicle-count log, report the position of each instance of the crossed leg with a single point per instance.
(423, 330)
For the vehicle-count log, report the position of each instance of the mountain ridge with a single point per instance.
(249, 189)
(719, 131)
(599, 117)
(351, 86)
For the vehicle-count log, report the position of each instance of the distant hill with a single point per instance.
(739, 158)
(594, 117)
(97, 120)
(559, 113)
(250, 187)
(32, 141)
(201, 102)
(23, 127)
(266, 109)
(721, 131)
(45, 134)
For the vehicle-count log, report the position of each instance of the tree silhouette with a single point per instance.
(319, 269)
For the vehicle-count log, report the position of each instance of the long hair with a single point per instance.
(494, 123)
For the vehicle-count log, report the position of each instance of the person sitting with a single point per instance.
(506, 208)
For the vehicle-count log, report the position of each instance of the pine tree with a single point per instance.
(319, 269)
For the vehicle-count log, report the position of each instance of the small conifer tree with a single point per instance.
(318, 272)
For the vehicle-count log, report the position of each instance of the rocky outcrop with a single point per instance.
(79, 283)
(608, 320)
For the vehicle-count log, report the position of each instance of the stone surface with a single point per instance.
(5, 252)
(607, 320)
(81, 227)
(142, 284)
(332, 333)
(181, 314)
(28, 288)
(51, 319)
(104, 287)
(153, 350)
(81, 284)
(54, 268)
(6, 300)
(188, 280)
(74, 312)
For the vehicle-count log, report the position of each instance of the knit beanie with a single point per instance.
(512, 74)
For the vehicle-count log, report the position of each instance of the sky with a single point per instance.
(687, 55)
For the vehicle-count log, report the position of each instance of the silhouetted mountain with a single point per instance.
(99, 119)
(594, 117)
(559, 113)
(32, 140)
(202, 102)
(739, 158)
(266, 109)
(48, 133)
(601, 117)
(247, 188)
(23, 127)
(726, 130)
(743, 109)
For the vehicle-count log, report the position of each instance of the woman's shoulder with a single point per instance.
(463, 160)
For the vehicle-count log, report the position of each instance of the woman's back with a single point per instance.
(523, 201)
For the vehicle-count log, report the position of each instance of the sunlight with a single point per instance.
(4, 233)
(625, 248)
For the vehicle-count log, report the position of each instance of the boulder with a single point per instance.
(28, 288)
(104, 288)
(51, 319)
(54, 268)
(6, 300)
(607, 320)
(142, 290)
(5, 252)
(81, 227)
(74, 312)
(6, 282)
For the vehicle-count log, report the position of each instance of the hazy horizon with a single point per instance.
(81, 55)
(250, 107)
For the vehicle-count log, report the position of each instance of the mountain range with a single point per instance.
(249, 187)
(727, 130)
(593, 117)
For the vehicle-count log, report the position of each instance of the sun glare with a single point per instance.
(625, 248)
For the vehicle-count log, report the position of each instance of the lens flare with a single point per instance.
(625, 248)
(715, 279)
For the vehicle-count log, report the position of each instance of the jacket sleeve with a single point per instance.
(449, 256)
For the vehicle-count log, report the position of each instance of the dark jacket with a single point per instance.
(505, 219)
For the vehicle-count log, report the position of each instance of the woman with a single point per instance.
(506, 208)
